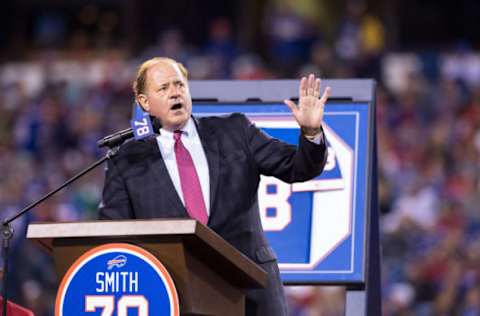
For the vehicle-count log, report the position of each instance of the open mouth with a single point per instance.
(176, 106)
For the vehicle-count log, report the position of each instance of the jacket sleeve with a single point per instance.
(287, 162)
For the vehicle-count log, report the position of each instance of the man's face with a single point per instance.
(167, 96)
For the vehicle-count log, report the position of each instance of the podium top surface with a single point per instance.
(117, 228)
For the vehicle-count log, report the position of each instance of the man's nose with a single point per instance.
(174, 91)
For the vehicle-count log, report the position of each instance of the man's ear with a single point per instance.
(143, 101)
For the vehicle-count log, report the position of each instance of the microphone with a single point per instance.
(118, 138)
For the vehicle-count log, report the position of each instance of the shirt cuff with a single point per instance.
(316, 139)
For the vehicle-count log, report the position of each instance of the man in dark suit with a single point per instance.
(224, 156)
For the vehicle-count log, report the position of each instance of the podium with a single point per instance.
(210, 275)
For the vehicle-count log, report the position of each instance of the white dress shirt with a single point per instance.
(191, 141)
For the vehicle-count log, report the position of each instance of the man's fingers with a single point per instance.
(326, 94)
(302, 91)
(310, 84)
(291, 105)
(310, 80)
(316, 89)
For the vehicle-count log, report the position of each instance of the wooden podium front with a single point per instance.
(210, 275)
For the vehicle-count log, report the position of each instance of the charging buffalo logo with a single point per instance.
(118, 262)
(101, 283)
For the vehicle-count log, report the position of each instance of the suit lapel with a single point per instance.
(210, 146)
(159, 169)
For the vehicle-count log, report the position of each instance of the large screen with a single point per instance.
(318, 227)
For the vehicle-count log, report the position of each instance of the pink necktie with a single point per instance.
(191, 189)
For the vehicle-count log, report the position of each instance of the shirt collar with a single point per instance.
(189, 130)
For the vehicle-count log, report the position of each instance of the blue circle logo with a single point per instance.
(115, 280)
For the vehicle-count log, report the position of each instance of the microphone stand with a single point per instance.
(7, 230)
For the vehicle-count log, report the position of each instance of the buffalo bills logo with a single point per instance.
(119, 261)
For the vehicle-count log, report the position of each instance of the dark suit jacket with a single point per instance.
(138, 185)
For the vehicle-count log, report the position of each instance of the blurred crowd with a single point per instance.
(53, 110)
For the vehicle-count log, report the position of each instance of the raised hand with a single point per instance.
(309, 112)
